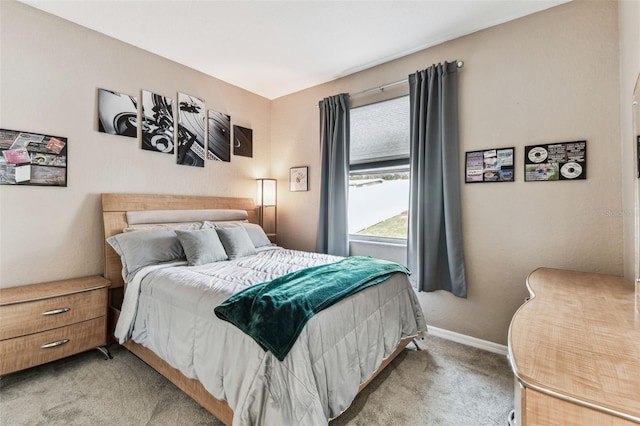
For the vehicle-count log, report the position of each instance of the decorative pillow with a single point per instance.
(143, 248)
(201, 246)
(255, 231)
(257, 235)
(236, 241)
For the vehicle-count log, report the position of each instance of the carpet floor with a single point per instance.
(443, 384)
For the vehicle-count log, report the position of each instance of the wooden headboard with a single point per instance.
(116, 206)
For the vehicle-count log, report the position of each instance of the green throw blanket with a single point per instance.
(274, 313)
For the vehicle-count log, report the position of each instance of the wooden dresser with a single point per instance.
(40, 323)
(575, 351)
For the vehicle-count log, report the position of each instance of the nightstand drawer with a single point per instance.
(20, 319)
(35, 349)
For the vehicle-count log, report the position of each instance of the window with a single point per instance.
(379, 171)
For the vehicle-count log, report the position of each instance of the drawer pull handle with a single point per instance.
(54, 344)
(57, 311)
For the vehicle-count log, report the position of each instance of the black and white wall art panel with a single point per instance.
(117, 113)
(242, 141)
(157, 123)
(219, 137)
(191, 130)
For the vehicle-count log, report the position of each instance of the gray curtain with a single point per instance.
(434, 247)
(333, 231)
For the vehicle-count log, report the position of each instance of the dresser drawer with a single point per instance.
(35, 349)
(20, 319)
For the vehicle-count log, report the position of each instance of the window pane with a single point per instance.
(378, 204)
(380, 131)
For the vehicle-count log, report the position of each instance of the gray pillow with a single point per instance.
(143, 248)
(201, 246)
(236, 241)
(257, 235)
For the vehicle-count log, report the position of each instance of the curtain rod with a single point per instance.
(459, 64)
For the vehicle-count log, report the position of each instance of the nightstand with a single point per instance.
(44, 322)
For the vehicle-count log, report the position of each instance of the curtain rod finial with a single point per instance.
(460, 64)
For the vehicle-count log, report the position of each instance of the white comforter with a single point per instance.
(169, 309)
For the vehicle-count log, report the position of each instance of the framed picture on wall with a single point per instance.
(555, 161)
(489, 165)
(32, 159)
(298, 180)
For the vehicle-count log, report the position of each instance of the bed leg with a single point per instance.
(105, 352)
(416, 343)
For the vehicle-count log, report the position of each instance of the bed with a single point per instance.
(166, 317)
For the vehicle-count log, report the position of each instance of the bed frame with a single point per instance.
(114, 208)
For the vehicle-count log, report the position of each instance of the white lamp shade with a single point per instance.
(266, 192)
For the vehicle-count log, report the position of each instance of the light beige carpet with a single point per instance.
(444, 384)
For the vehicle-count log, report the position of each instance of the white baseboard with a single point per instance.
(468, 340)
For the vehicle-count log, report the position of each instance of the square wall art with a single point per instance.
(298, 178)
(117, 113)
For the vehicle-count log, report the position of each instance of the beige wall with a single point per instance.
(548, 77)
(50, 72)
(553, 76)
(629, 14)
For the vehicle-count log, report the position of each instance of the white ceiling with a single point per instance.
(273, 48)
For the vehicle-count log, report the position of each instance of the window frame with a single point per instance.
(393, 165)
